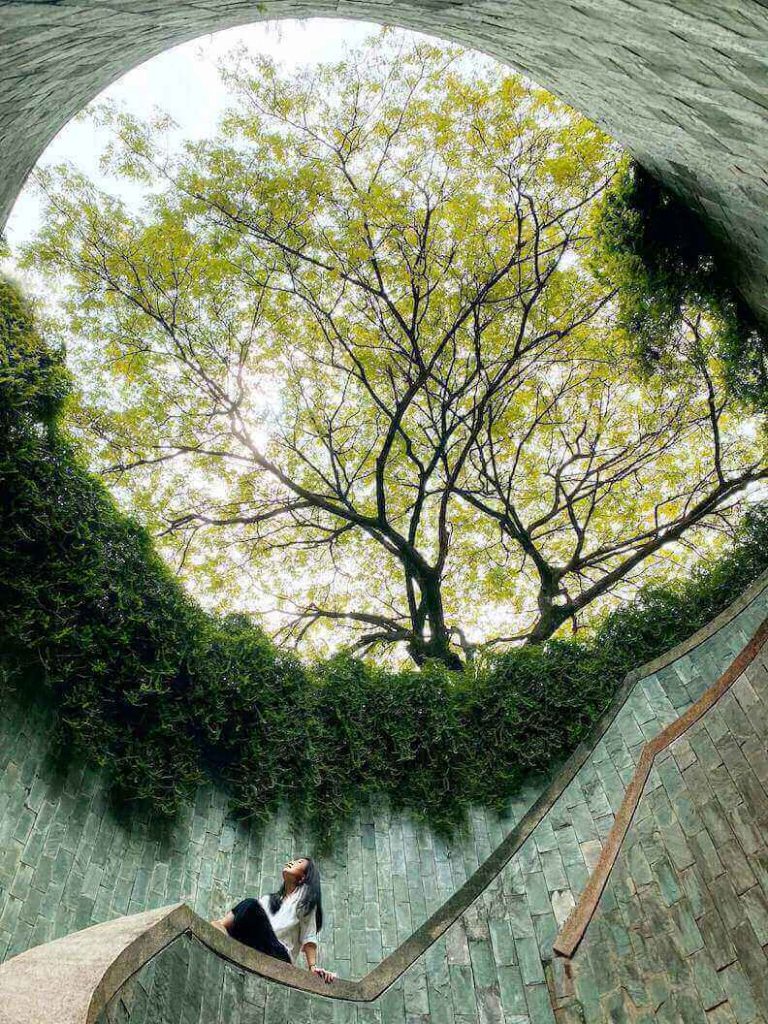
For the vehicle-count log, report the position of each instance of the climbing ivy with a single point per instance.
(163, 695)
(666, 263)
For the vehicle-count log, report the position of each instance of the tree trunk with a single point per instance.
(550, 619)
(437, 643)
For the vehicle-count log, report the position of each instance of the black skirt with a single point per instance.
(252, 927)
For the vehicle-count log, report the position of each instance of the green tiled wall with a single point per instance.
(69, 863)
(66, 860)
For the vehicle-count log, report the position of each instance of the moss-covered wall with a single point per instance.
(678, 931)
(68, 862)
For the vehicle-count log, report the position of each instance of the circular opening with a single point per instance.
(349, 343)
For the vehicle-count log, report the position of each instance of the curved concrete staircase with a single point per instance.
(634, 888)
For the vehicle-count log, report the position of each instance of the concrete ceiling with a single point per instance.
(683, 84)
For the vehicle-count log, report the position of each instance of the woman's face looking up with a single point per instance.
(295, 869)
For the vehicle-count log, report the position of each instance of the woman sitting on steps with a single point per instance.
(285, 922)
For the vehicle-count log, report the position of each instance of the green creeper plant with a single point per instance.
(162, 695)
(666, 263)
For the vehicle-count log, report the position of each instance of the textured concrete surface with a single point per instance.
(68, 863)
(683, 84)
(56, 982)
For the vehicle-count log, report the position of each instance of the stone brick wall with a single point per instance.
(68, 862)
(678, 932)
(683, 84)
(681, 931)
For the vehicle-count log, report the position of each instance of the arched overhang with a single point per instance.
(681, 84)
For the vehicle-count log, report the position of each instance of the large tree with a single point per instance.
(357, 348)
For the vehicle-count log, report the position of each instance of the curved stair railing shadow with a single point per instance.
(72, 979)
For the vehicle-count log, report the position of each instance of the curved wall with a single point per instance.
(678, 930)
(69, 863)
(683, 84)
(681, 930)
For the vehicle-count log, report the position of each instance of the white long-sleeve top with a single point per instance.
(292, 929)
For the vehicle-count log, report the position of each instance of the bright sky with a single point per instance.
(184, 82)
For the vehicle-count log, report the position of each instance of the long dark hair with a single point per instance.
(311, 896)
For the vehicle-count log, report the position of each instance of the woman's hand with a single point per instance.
(327, 976)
